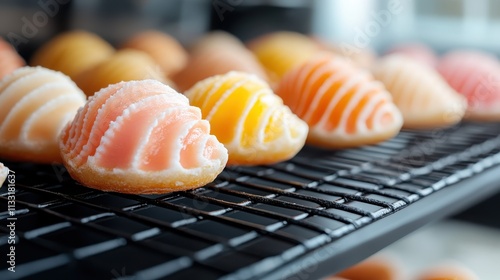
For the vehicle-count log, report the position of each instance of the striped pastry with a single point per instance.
(248, 118)
(343, 105)
(72, 52)
(141, 137)
(422, 95)
(35, 104)
(9, 59)
(476, 76)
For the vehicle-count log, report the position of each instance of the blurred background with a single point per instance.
(471, 237)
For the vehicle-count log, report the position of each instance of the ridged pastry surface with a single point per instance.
(4, 171)
(9, 59)
(141, 137)
(72, 52)
(248, 118)
(215, 54)
(163, 48)
(124, 65)
(343, 105)
(35, 104)
(476, 76)
(421, 94)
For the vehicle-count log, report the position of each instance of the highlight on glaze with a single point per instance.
(141, 137)
(248, 118)
(343, 105)
(35, 104)
(9, 59)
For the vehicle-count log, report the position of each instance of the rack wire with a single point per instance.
(250, 223)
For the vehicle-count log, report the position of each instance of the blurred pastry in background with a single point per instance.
(124, 65)
(417, 51)
(422, 95)
(374, 268)
(9, 59)
(141, 137)
(72, 52)
(4, 171)
(475, 75)
(362, 57)
(164, 49)
(448, 271)
(248, 118)
(35, 104)
(280, 52)
(217, 53)
(343, 105)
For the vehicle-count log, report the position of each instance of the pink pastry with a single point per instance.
(477, 76)
(9, 59)
(141, 137)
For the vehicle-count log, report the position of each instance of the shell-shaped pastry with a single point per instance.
(35, 104)
(343, 105)
(280, 52)
(124, 65)
(72, 52)
(248, 118)
(164, 49)
(141, 137)
(215, 54)
(9, 59)
(419, 52)
(421, 94)
(476, 76)
(4, 171)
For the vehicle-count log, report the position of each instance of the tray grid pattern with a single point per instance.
(248, 222)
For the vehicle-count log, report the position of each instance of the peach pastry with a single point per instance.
(248, 118)
(422, 95)
(35, 104)
(72, 52)
(4, 171)
(214, 54)
(124, 65)
(416, 51)
(344, 106)
(280, 52)
(141, 137)
(164, 49)
(476, 76)
(9, 59)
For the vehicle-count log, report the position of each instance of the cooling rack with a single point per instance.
(302, 219)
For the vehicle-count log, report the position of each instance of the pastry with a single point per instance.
(449, 270)
(375, 268)
(416, 51)
(35, 104)
(342, 104)
(9, 59)
(248, 118)
(164, 49)
(4, 171)
(124, 65)
(280, 52)
(217, 53)
(72, 52)
(421, 94)
(476, 76)
(141, 137)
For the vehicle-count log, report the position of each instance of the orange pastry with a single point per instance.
(373, 269)
(124, 65)
(448, 271)
(217, 53)
(164, 49)
(476, 76)
(35, 105)
(343, 105)
(4, 171)
(72, 52)
(141, 137)
(9, 59)
(422, 95)
(280, 52)
(248, 118)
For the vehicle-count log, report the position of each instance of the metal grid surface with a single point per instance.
(246, 224)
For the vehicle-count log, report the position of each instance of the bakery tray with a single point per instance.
(302, 219)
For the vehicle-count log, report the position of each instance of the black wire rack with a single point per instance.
(301, 219)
